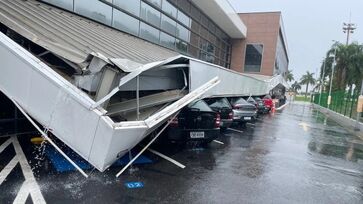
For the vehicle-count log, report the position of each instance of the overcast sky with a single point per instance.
(310, 26)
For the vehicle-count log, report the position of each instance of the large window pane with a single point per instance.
(253, 58)
(149, 33)
(181, 46)
(66, 4)
(125, 22)
(182, 33)
(195, 13)
(155, 2)
(195, 26)
(169, 8)
(168, 24)
(130, 6)
(94, 9)
(193, 51)
(150, 14)
(184, 5)
(184, 19)
(167, 40)
(194, 39)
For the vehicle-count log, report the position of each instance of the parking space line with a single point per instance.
(239, 131)
(31, 186)
(4, 145)
(22, 194)
(219, 142)
(8, 168)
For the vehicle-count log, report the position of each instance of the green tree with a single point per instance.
(295, 86)
(289, 76)
(307, 79)
(349, 65)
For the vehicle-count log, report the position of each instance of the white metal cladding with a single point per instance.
(232, 83)
(66, 111)
(74, 37)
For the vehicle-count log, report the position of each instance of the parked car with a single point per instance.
(267, 100)
(261, 108)
(197, 121)
(224, 108)
(242, 110)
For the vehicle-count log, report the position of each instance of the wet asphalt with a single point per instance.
(296, 155)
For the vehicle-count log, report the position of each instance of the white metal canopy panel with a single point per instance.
(73, 37)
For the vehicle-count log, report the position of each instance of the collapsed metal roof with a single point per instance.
(74, 37)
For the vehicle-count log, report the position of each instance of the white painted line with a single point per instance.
(240, 131)
(283, 106)
(31, 186)
(4, 145)
(8, 168)
(45, 136)
(219, 142)
(22, 194)
(167, 158)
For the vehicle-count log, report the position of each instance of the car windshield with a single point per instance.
(200, 105)
(218, 103)
(239, 101)
(250, 99)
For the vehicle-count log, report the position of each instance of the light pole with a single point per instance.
(348, 28)
(321, 82)
(331, 77)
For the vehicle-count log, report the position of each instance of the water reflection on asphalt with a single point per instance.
(297, 155)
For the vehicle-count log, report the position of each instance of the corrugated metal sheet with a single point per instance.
(73, 37)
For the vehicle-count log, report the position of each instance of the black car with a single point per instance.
(261, 108)
(197, 121)
(224, 108)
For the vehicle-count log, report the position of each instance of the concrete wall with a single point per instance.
(341, 119)
(262, 28)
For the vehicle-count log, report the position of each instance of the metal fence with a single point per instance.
(343, 102)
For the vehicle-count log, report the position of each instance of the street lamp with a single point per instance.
(332, 73)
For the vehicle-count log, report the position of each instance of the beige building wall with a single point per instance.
(262, 28)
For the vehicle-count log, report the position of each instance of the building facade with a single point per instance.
(179, 25)
(265, 50)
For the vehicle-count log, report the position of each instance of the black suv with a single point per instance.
(197, 121)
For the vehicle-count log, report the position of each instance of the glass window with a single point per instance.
(125, 22)
(184, 19)
(184, 5)
(201, 105)
(195, 13)
(212, 27)
(169, 8)
(182, 32)
(149, 33)
(218, 103)
(94, 9)
(66, 4)
(155, 2)
(150, 14)
(181, 46)
(194, 39)
(168, 24)
(193, 51)
(195, 26)
(130, 6)
(203, 32)
(212, 38)
(167, 40)
(253, 57)
(204, 21)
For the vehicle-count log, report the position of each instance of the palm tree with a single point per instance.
(295, 86)
(349, 65)
(289, 76)
(307, 79)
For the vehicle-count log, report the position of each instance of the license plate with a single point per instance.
(247, 118)
(195, 135)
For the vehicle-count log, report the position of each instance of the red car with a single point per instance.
(267, 100)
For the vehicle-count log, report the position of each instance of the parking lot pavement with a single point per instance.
(296, 155)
